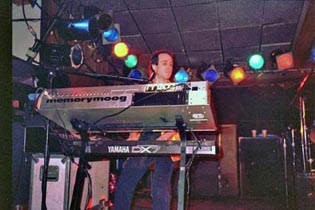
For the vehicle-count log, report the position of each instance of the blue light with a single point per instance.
(111, 35)
(210, 75)
(313, 54)
(135, 73)
(81, 25)
(181, 76)
(33, 96)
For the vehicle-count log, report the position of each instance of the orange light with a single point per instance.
(121, 49)
(285, 61)
(237, 75)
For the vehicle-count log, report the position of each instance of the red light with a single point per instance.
(111, 204)
(237, 75)
(285, 61)
(15, 104)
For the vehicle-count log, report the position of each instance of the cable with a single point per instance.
(188, 165)
(28, 19)
(29, 27)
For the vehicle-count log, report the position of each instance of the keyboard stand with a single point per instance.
(181, 125)
(82, 127)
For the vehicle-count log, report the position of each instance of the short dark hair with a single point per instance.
(155, 55)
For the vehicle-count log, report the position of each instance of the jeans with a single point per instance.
(133, 171)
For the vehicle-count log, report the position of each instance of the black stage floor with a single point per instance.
(218, 203)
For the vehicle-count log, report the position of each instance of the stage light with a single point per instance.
(85, 29)
(256, 61)
(181, 76)
(237, 75)
(285, 61)
(131, 61)
(111, 35)
(120, 49)
(313, 54)
(136, 73)
(210, 75)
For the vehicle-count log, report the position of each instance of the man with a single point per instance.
(160, 71)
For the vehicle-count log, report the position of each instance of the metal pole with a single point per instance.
(285, 172)
(302, 132)
(181, 125)
(293, 164)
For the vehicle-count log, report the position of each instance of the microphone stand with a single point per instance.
(98, 75)
(51, 76)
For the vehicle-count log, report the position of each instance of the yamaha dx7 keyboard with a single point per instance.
(152, 147)
(131, 107)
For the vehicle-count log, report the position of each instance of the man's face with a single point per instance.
(164, 68)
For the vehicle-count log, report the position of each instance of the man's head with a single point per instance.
(161, 65)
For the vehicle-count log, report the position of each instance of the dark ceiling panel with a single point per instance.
(127, 25)
(170, 41)
(240, 37)
(240, 13)
(196, 17)
(209, 57)
(202, 40)
(136, 43)
(108, 5)
(282, 11)
(278, 33)
(181, 59)
(177, 3)
(145, 4)
(155, 21)
(239, 54)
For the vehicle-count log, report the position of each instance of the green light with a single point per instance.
(131, 61)
(256, 61)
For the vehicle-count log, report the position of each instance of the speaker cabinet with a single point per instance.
(217, 176)
(204, 179)
(261, 167)
(305, 191)
(228, 161)
(60, 183)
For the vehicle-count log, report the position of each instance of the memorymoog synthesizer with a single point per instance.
(124, 108)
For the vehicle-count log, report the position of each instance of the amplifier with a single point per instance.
(60, 183)
(261, 167)
(305, 191)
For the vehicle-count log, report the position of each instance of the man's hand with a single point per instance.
(134, 136)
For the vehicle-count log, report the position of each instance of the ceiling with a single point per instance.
(211, 31)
